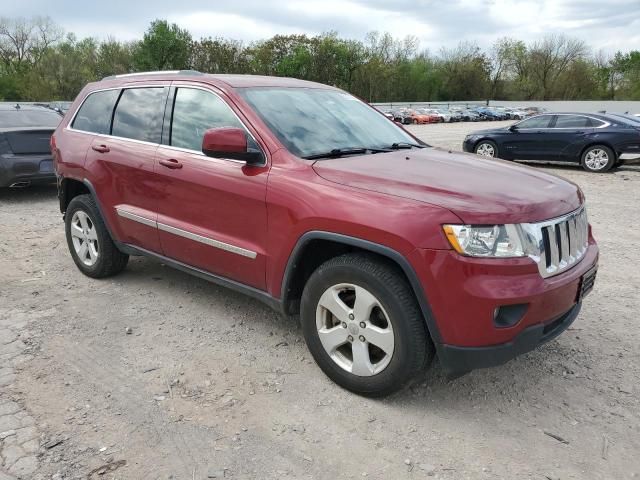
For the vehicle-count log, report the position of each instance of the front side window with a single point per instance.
(541, 121)
(95, 113)
(196, 111)
(139, 114)
(572, 121)
(310, 121)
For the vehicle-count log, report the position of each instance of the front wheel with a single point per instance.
(598, 158)
(363, 326)
(486, 148)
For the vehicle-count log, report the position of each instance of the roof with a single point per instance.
(235, 81)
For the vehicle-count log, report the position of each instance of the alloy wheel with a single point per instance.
(355, 330)
(486, 150)
(84, 238)
(596, 159)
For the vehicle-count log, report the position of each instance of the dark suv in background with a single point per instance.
(25, 156)
(315, 203)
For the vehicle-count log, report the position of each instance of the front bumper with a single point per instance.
(466, 294)
(468, 145)
(459, 360)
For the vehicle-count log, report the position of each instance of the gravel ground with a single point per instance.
(211, 384)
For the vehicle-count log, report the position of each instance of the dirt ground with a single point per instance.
(211, 384)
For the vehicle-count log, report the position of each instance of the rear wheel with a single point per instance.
(363, 326)
(88, 240)
(598, 158)
(486, 148)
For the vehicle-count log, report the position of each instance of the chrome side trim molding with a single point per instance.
(208, 241)
(227, 247)
(136, 218)
(629, 156)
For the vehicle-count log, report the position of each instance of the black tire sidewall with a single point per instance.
(399, 370)
(612, 158)
(85, 204)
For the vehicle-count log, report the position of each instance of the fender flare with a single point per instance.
(377, 248)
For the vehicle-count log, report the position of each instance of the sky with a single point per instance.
(607, 25)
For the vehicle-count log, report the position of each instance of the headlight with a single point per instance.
(486, 241)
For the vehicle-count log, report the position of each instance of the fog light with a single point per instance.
(508, 315)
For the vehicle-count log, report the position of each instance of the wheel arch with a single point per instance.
(315, 247)
(68, 188)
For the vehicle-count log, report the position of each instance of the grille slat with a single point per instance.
(553, 247)
(564, 245)
(562, 242)
(573, 238)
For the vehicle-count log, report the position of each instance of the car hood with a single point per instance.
(476, 189)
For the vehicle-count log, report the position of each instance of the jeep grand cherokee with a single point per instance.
(308, 199)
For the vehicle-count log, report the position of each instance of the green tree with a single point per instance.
(163, 47)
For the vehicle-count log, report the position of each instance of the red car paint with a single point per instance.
(397, 200)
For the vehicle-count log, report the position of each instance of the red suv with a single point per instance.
(308, 199)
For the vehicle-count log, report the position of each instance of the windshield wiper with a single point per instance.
(339, 152)
(404, 145)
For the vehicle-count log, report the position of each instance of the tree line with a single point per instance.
(39, 62)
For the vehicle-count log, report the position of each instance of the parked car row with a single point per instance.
(416, 116)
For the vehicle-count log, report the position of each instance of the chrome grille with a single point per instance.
(560, 243)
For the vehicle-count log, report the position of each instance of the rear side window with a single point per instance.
(95, 113)
(572, 121)
(195, 111)
(139, 114)
(541, 121)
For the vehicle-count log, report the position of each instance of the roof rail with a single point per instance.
(157, 72)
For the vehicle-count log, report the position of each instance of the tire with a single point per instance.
(396, 320)
(598, 159)
(486, 148)
(101, 258)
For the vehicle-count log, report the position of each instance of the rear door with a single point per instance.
(528, 141)
(567, 135)
(212, 214)
(122, 164)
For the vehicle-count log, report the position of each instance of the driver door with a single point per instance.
(212, 215)
(529, 140)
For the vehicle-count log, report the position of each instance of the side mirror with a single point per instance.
(513, 128)
(229, 142)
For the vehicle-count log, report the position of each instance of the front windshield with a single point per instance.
(310, 121)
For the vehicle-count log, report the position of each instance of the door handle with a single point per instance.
(171, 163)
(100, 148)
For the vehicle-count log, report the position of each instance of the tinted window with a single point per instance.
(541, 121)
(29, 118)
(139, 114)
(195, 111)
(95, 113)
(572, 121)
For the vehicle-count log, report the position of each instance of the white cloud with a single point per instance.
(609, 24)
